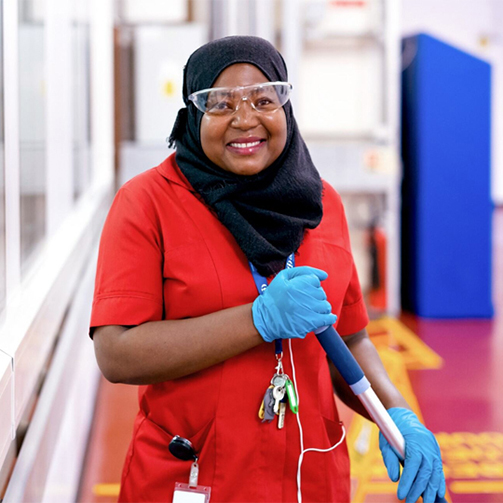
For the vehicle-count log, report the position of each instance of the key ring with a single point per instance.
(279, 366)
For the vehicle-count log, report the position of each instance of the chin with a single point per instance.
(245, 170)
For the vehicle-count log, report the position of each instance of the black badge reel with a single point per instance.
(183, 449)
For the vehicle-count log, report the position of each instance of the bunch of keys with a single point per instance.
(276, 396)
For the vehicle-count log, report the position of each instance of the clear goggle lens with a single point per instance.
(266, 97)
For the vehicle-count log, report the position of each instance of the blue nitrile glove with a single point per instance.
(293, 305)
(422, 468)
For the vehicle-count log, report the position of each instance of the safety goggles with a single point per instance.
(265, 98)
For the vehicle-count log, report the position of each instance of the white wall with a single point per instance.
(476, 27)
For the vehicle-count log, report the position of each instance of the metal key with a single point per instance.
(279, 380)
(281, 415)
(278, 394)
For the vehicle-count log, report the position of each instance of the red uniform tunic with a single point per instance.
(165, 255)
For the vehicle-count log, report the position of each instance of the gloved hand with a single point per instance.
(422, 469)
(293, 305)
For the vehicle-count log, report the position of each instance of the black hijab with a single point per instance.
(268, 212)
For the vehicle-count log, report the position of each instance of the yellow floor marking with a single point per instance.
(381, 488)
(476, 487)
(415, 353)
(106, 489)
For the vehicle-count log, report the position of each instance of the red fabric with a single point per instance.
(164, 255)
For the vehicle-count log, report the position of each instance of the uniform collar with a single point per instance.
(169, 169)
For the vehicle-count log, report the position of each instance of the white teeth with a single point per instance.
(244, 145)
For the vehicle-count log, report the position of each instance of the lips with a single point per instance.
(246, 146)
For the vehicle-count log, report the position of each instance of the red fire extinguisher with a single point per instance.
(377, 246)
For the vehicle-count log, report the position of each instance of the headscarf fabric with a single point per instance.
(268, 212)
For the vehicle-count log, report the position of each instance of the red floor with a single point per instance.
(460, 403)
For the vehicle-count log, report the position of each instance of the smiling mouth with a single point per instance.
(246, 145)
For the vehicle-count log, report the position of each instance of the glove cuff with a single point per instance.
(258, 319)
(404, 417)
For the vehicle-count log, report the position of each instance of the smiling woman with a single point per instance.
(182, 303)
(246, 141)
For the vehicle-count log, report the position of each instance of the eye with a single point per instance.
(264, 101)
(223, 104)
(219, 106)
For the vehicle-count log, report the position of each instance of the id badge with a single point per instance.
(188, 494)
(191, 492)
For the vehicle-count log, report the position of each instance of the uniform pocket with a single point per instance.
(198, 439)
(338, 462)
(334, 430)
(153, 470)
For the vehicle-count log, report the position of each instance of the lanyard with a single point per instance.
(261, 284)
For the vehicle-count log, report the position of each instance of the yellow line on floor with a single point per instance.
(106, 489)
(415, 353)
(381, 487)
(476, 487)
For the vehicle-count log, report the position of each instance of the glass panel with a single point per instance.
(81, 98)
(2, 167)
(32, 117)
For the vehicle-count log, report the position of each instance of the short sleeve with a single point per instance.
(354, 316)
(128, 287)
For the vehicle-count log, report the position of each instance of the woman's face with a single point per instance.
(226, 139)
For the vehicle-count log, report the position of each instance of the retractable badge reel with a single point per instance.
(182, 449)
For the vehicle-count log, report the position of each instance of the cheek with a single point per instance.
(279, 130)
(205, 136)
(211, 135)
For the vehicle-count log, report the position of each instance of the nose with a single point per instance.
(245, 115)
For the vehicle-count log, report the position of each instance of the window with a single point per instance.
(2, 168)
(32, 126)
(81, 98)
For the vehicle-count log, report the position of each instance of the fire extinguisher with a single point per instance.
(377, 248)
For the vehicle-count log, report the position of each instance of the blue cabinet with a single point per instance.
(446, 204)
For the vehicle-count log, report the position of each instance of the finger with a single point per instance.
(303, 270)
(390, 459)
(437, 484)
(315, 322)
(313, 299)
(316, 315)
(410, 469)
(327, 320)
(306, 281)
(305, 291)
(318, 294)
(434, 484)
(421, 482)
(321, 307)
(441, 490)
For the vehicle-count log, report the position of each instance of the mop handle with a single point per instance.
(353, 374)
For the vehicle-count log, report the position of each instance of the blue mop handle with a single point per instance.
(352, 373)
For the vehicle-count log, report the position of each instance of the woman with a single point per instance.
(177, 309)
